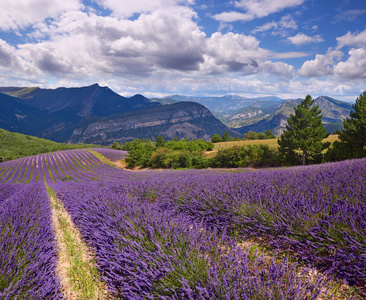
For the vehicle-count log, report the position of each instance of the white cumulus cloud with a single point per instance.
(352, 39)
(233, 52)
(256, 9)
(301, 38)
(282, 27)
(354, 67)
(127, 8)
(321, 65)
(79, 44)
(17, 14)
(241, 54)
(278, 68)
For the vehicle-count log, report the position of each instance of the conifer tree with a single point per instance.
(225, 137)
(353, 136)
(159, 142)
(304, 134)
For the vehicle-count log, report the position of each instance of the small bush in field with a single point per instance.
(243, 156)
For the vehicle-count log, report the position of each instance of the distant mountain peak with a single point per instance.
(95, 113)
(333, 111)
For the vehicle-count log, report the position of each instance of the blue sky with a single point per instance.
(286, 48)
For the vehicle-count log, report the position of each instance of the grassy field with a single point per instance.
(271, 143)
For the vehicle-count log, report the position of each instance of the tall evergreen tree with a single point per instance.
(304, 133)
(353, 136)
(225, 136)
(159, 142)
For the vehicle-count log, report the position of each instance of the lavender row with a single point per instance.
(146, 252)
(111, 154)
(51, 167)
(28, 250)
(6, 191)
(76, 165)
(318, 212)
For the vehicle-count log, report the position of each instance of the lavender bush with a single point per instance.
(146, 252)
(318, 212)
(173, 234)
(28, 250)
(111, 154)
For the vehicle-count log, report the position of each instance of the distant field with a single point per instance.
(272, 143)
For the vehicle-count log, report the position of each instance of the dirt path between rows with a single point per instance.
(76, 268)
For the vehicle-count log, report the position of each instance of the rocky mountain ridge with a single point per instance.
(262, 113)
(96, 114)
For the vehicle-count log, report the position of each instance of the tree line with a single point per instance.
(216, 138)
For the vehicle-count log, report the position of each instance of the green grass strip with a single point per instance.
(14, 170)
(81, 278)
(101, 157)
(24, 174)
(60, 159)
(85, 167)
(49, 171)
(31, 172)
(58, 171)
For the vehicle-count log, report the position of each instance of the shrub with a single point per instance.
(216, 138)
(191, 146)
(244, 156)
(116, 146)
(168, 158)
(258, 135)
(140, 152)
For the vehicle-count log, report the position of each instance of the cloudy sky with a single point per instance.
(287, 48)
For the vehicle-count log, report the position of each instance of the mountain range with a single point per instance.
(96, 114)
(262, 113)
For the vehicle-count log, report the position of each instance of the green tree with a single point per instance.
(225, 137)
(244, 156)
(139, 153)
(304, 133)
(216, 138)
(159, 142)
(353, 136)
(116, 146)
(269, 134)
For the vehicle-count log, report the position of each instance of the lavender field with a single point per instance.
(188, 234)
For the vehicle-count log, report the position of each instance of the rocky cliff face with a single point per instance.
(96, 114)
(333, 111)
(182, 120)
